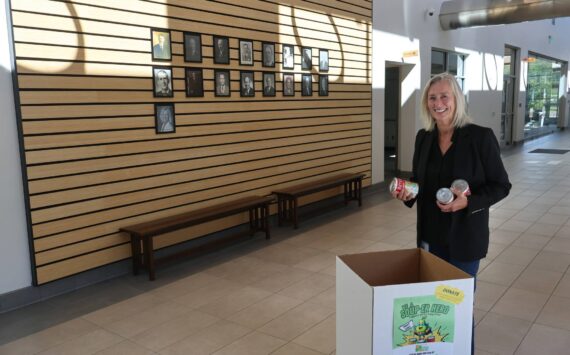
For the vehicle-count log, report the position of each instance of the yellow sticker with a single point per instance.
(449, 294)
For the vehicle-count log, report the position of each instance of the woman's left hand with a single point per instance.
(459, 203)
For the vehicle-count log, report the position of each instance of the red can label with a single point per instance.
(397, 185)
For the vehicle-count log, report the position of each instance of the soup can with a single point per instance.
(444, 196)
(398, 185)
(462, 186)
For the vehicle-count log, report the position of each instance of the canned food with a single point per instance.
(444, 196)
(462, 186)
(398, 185)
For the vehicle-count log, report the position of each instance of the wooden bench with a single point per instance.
(258, 207)
(287, 198)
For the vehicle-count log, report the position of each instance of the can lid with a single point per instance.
(444, 195)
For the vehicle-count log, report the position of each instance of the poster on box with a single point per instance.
(425, 325)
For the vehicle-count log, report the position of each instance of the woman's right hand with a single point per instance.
(403, 195)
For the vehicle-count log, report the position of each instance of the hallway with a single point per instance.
(278, 296)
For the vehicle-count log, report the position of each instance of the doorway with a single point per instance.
(391, 121)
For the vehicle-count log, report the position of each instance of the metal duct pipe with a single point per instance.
(468, 13)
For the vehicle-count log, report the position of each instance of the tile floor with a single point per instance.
(278, 296)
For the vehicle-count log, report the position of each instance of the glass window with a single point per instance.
(437, 62)
(542, 93)
(453, 63)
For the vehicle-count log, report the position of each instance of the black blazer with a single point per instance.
(478, 161)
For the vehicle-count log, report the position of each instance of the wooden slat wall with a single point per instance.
(93, 160)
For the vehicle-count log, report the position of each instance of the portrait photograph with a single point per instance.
(247, 84)
(307, 85)
(288, 56)
(268, 54)
(307, 58)
(192, 47)
(323, 85)
(194, 82)
(268, 84)
(160, 44)
(288, 85)
(221, 50)
(162, 78)
(323, 60)
(245, 52)
(222, 82)
(164, 118)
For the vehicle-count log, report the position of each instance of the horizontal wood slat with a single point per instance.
(130, 149)
(122, 122)
(178, 167)
(107, 196)
(93, 158)
(262, 131)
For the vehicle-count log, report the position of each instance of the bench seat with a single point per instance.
(258, 207)
(287, 198)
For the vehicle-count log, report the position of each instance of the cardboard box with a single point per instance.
(402, 302)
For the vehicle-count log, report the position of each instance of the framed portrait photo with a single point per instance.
(307, 85)
(323, 85)
(221, 50)
(164, 118)
(192, 47)
(306, 58)
(247, 84)
(288, 84)
(194, 82)
(288, 56)
(160, 42)
(268, 54)
(268, 84)
(222, 83)
(162, 79)
(323, 60)
(245, 52)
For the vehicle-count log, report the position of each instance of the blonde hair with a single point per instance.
(460, 117)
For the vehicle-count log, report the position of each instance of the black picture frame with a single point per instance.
(164, 118)
(192, 47)
(245, 52)
(307, 85)
(162, 82)
(288, 56)
(323, 60)
(306, 58)
(269, 84)
(160, 44)
(323, 85)
(246, 84)
(222, 88)
(194, 78)
(221, 50)
(288, 84)
(268, 54)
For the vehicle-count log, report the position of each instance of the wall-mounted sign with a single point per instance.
(412, 53)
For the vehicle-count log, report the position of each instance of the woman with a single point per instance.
(451, 147)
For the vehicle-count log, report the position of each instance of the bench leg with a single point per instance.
(295, 215)
(359, 191)
(265, 221)
(136, 253)
(149, 257)
(279, 211)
